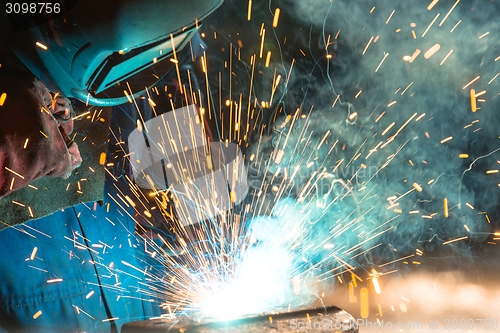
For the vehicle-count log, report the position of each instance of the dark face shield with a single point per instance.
(123, 74)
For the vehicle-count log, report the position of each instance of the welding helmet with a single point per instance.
(100, 51)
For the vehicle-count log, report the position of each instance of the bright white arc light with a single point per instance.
(260, 284)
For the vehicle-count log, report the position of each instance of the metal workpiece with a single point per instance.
(319, 320)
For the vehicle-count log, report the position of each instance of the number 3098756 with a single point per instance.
(33, 8)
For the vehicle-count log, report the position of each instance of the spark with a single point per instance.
(367, 45)
(268, 58)
(33, 253)
(390, 16)
(446, 57)
(483, 35)
(414, 55)
(445, 204)
(417, 187)
(364, 303)
(400, 259)
(388, 128)
(455, 240)
(78, 310)
(38, 269)
(262, 43)
(473, 100)
(420, 117)
(3, 97)
(449, 12)
(42, 46)
(446, 139)
(323, 140)
(406, 88)
(110, 319)
(276, 17)
(430, 25)
(15, 173)
(471, 82)
(431, 51)
(81, 116)
(376, 286)
(432, 4)
(381, 62)
(456, 25)
(249, 13)
(380, 116)
(481, 93)
(494, 78)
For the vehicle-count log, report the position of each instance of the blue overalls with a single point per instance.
(78, 270)
(82, 269)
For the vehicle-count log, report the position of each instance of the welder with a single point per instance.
(77, 268)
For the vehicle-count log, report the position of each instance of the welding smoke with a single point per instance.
(389, 98)
(369, 141)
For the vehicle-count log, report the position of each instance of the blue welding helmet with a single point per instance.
(95, 50)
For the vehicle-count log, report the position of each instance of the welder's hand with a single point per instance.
(74, 153)
(62, 112)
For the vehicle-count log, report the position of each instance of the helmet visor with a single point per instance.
(140, 68)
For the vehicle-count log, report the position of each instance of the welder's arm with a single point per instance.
(34, 141)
